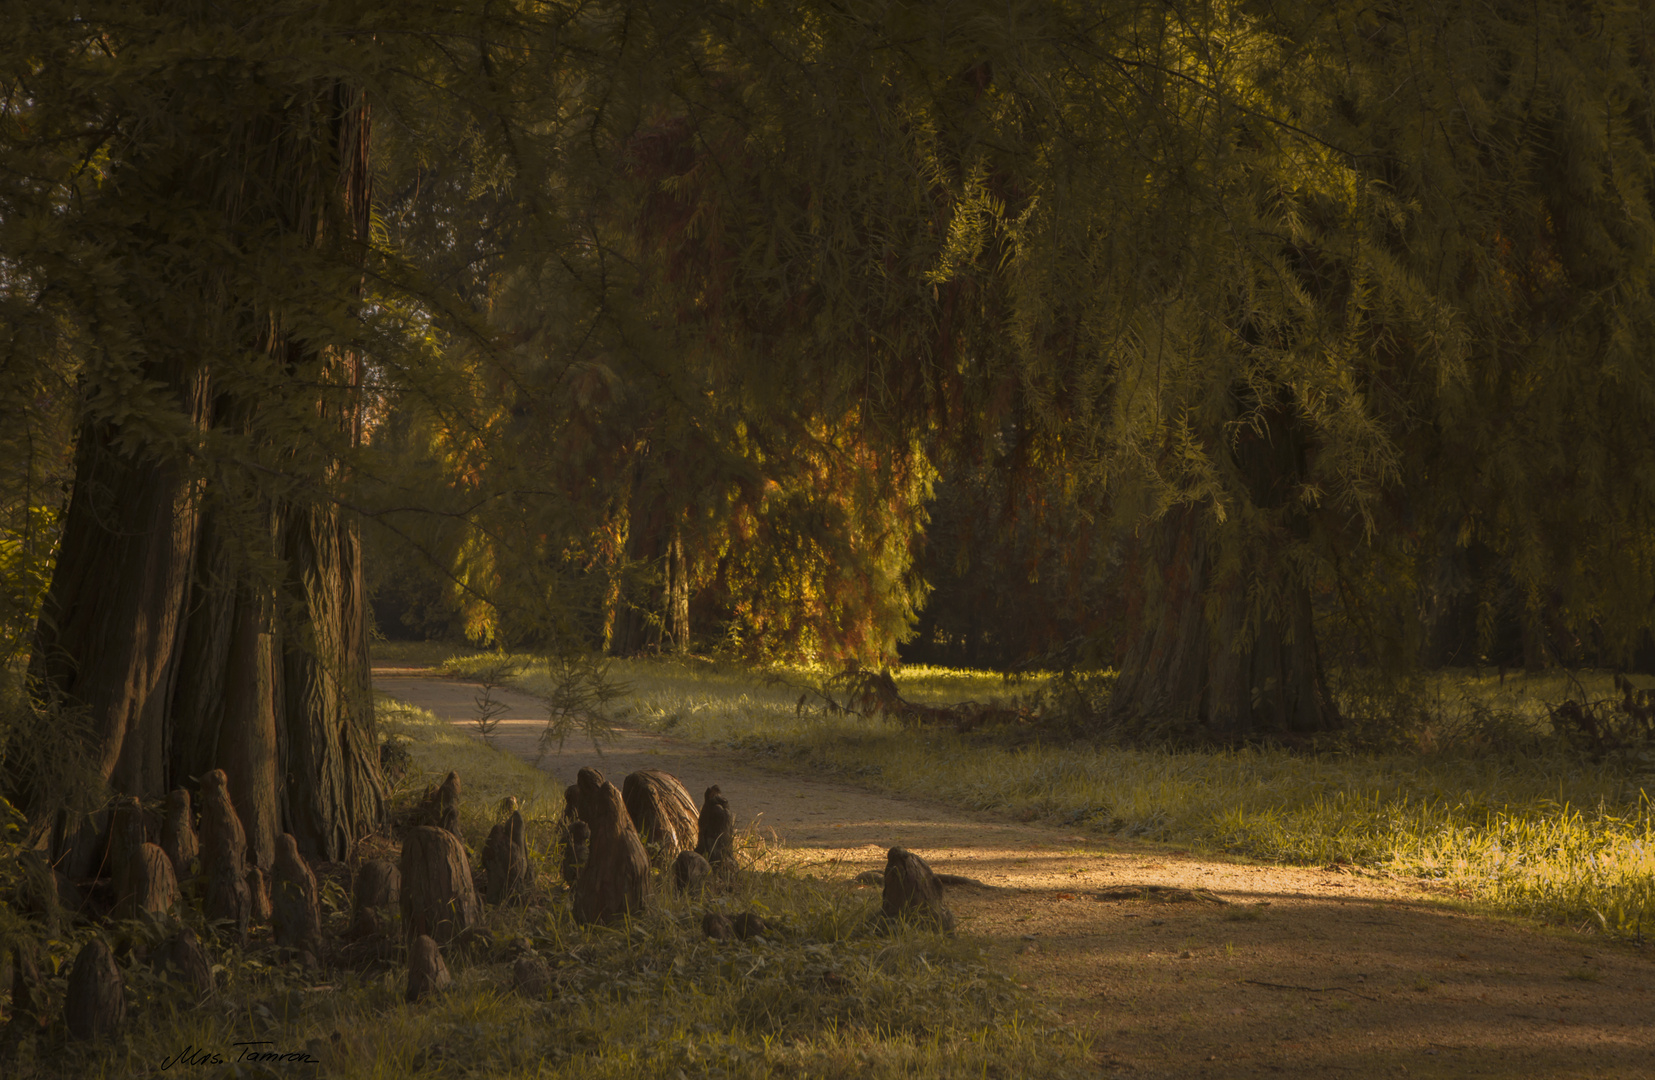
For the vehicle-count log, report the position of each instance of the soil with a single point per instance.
(1178, 963)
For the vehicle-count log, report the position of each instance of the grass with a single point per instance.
(828, 993)
(1533, 829)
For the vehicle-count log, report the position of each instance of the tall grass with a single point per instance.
(1534, 830)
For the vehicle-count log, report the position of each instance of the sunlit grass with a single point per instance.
(1534, 831)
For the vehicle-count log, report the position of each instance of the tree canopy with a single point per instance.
(1233, 343)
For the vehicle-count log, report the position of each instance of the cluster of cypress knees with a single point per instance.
(611, 842)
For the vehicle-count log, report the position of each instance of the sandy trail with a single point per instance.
(1301, 972)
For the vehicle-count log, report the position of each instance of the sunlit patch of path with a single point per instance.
(1298, 972)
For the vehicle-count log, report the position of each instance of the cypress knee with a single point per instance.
(913, 891)
(223, 855)
(615, 879)
(520, 844)
(147, 885)
(506, 859)
(448, 805)
(690, 871)
(437, 895)
(449, 793)
(451, 822)
(716, 840)
(378, 883)
(426, 970)
(259, 911)
(126, 836)
(182, 958)
(662, 811)
(296, 915)
(95, 1004)
(178, 838)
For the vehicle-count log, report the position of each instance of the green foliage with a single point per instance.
(673, 317)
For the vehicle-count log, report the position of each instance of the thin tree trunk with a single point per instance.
(678, 596)
(634, 631)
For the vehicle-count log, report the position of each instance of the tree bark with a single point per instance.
(437, 896)
(234, 638)
(662, 811)
(95, 1003)
(334, 792)
(110, 617)
(1223, 647)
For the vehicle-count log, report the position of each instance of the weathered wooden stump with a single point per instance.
(426, 971)
(147, 885)
(716, 837)
(506, 860)
(615, 879)
(95, 1004)
(182, 958)
(531, 977)
(662, 811)
(717, 926)
(437, 896)
(178, 837)
(296, 914)
(224, 855)
(690, 872)
(913, 891)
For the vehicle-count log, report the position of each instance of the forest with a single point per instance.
(1240, 370)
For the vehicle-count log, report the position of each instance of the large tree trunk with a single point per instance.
(233, 638)
(1225, 649)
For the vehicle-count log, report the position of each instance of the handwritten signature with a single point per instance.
(193, 1055)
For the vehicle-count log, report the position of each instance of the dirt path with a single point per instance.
(1299, 972)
